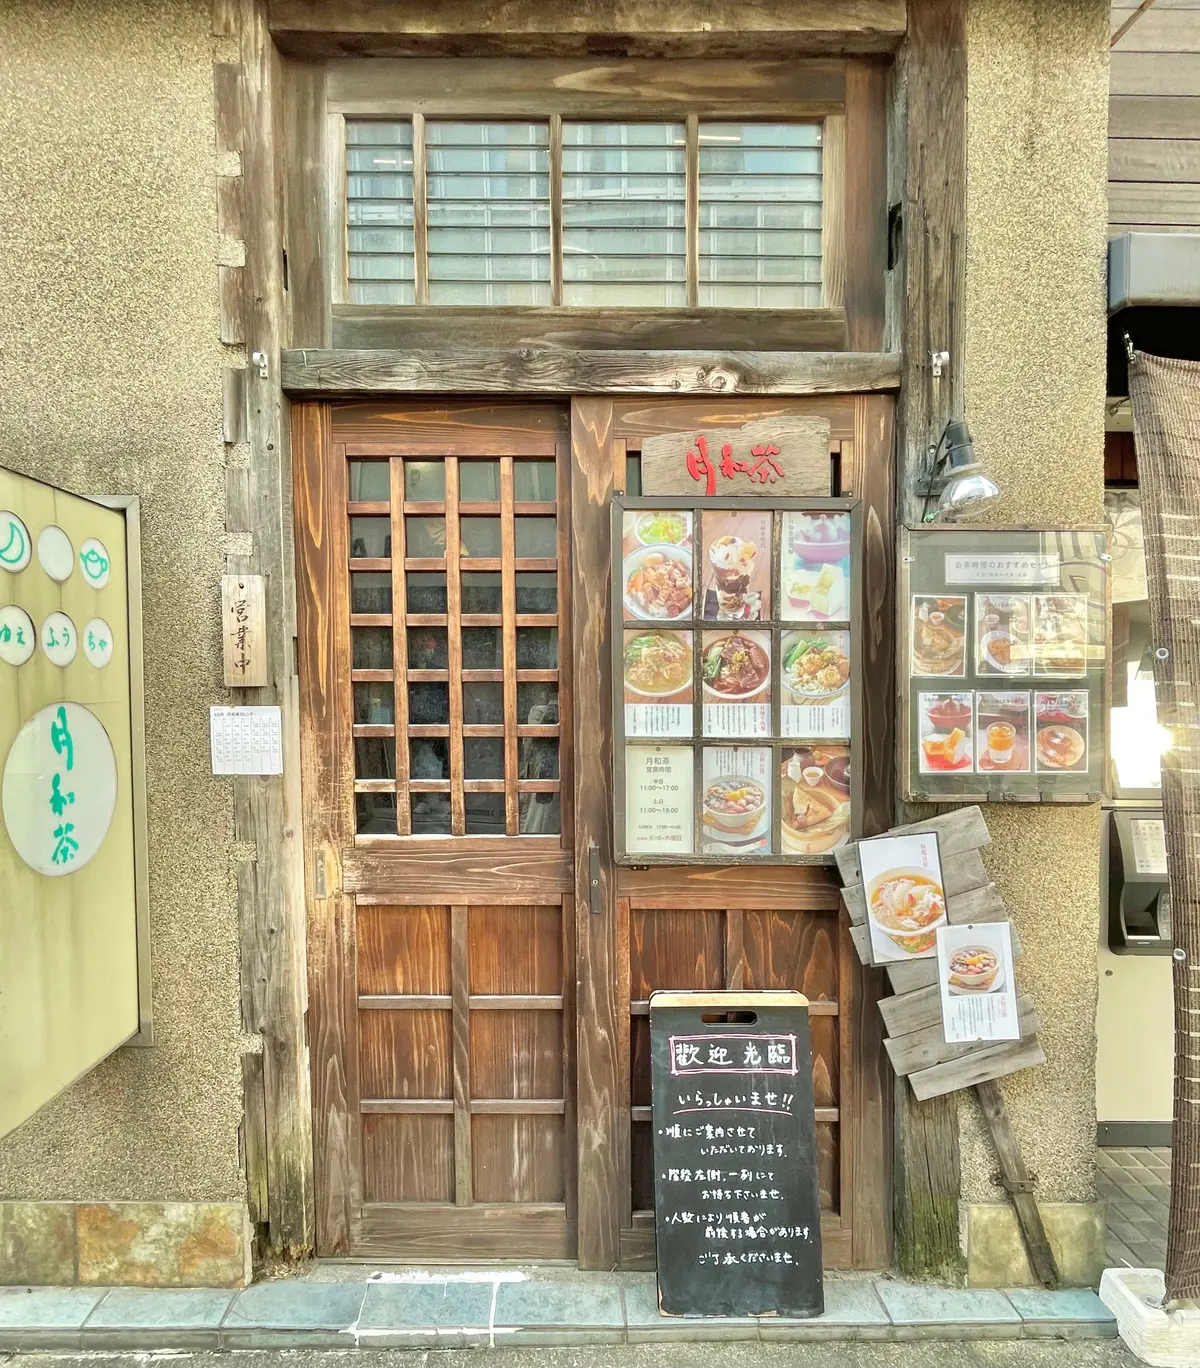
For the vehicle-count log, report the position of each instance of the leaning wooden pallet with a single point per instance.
(916, 1040)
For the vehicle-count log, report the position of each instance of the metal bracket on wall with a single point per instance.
(260, 360)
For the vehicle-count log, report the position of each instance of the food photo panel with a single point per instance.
(735, 817)
(906, 901)
(1061, 732)
(1002, 733)
(1060, 635)
(735, 680)
(656, 565)
(938, 630)
(657, 670)
(1003, 643)
(975, 974)
(946, 732)
(814, 799)
(814, 682)
(659, 800)
(736, 568)
(814, 567)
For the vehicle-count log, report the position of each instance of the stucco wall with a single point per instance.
(1035, 337)
(110, 383)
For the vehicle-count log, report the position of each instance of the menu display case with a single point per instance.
(735, 679)
(1004, 655)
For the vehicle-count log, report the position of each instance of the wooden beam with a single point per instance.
(1015, 1177)
(420, 329)
(597, 971)
(930, 178)
(267, 810)
(547, 371)
(926, 172)
(635, 27)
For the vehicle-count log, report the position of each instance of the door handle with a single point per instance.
(594, 878)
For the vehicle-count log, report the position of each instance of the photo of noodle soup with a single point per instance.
(907, 905)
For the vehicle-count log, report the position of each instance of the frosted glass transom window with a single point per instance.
(624, 214)
(760, 215)
(488, 197)
(379, 212)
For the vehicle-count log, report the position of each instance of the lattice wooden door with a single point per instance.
(432, 548)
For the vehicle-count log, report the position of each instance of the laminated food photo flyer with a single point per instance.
(975, 972)
(906, 901)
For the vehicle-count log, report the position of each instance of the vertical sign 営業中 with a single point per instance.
(68, 917)
(736, 1208)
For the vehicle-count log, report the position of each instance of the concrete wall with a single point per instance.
(110, 382)
(1035, 383)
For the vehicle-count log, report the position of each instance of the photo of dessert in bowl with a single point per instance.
(974, 969)
(907, 905)
(734, 805)
(815, 800)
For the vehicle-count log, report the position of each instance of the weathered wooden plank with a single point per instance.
(233, 401)
(1154, 73)
(388, 874)
(957, 832)
(1154, 159)
(230, 207)
(382, 27)
(912, 1011)
(1005, 1058)
(460, 989)
(268, 811)
(599, 1083)
(559, 371)
(365, 327)
(961, 874)
(865, 214)
(1015, 1177)
(1153, 202)
(1154, 116)
(925, 1048)
(746, 886)
(440, 1234)
(591, 88)
(1159, 29)
(305, 125)
(231, 305)
(227, 97)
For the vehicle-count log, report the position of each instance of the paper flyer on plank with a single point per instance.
(975, 971)
(906, 901)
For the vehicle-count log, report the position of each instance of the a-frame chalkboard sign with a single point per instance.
(737, 1218)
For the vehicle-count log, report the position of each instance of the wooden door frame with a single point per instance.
(599, 428)
(602, 960)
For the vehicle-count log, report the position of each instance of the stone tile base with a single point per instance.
(129, 1244)
(995, 1250)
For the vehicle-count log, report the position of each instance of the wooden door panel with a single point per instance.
(433, 550)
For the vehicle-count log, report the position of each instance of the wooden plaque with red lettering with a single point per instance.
(783, 457)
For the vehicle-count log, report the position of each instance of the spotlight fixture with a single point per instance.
(956, 477)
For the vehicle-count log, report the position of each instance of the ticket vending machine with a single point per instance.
(1139, 898)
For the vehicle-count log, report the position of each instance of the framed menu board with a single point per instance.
(735, 679)
(1004, 662)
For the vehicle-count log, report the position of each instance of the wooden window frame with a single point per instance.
(844, 95)
(833, 189)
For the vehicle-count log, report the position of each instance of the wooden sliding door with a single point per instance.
(480, 970)
(434, 658)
